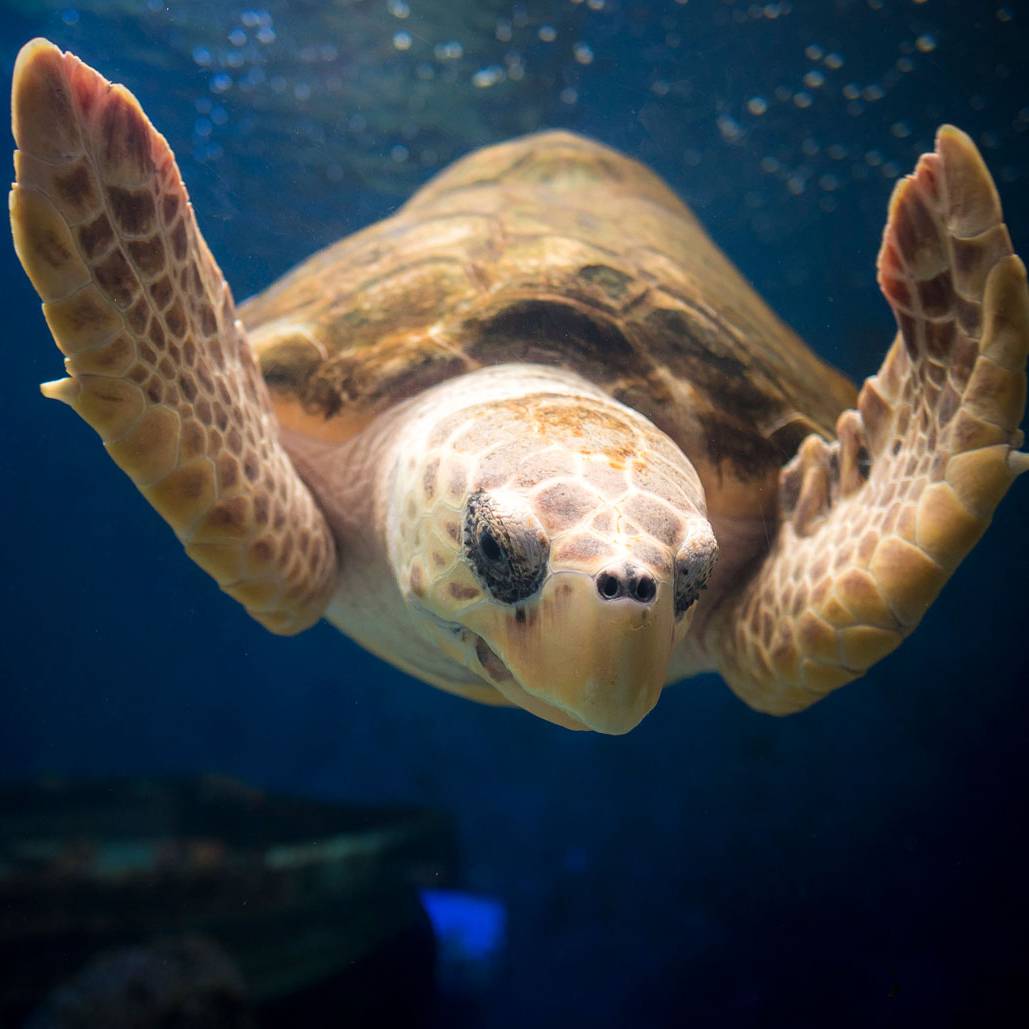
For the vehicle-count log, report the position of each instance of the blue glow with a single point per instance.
(469, 928)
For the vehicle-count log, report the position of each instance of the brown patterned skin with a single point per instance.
(157, 361)
(406, 385)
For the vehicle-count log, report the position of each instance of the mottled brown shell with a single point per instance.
(550, 249)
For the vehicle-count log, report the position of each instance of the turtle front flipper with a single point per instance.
(158, 363)
(874, 523)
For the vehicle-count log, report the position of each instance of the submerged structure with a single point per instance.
(129, 901)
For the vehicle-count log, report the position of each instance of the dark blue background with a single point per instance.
(860, 863)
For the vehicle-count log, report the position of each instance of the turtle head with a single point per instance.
(555, 545)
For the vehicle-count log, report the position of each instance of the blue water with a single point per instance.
(862, 863)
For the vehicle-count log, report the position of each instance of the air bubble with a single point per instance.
(201, 56)
(207, 151)
(926, 43)
(757, 105)
(399, 153)
(504, 32)
(900, 129)
(402, 41)
(265, 35)
(833, 61)
(398, 8)
(569, 95)
(583, 53)
(451, 51)
(872, 93)
(813, 79)
(237, 37)
(802, 99)
(729, 128)
(221, 82)
(70, 16)
(852, 91)
(547, 33)
(486, 77)
(813, 52)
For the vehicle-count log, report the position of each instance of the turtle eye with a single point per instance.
(508, 550)
(489, 546)
(687, 589)
(693, 566)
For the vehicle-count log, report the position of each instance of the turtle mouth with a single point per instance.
(494, 668)
(493, 671)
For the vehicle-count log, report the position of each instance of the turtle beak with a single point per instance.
(579, 658)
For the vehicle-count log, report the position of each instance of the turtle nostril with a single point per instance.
(646, 589)
(608, 586)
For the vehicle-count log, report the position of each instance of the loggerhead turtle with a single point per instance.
(501, 437)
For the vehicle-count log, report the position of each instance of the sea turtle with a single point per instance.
(501, 437)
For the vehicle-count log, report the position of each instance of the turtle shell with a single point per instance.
(558, 250)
